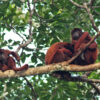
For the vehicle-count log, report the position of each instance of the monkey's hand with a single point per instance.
(82, 47)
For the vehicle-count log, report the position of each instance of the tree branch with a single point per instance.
(91, 17)
(5, 93)
(31, 11)
(88, 11)
(90, 3)
(14, 30)
(95, 87)
(80, 79)
(76, 4)
(49, 69)
(33, 91)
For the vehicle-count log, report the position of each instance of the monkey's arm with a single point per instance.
(92, 45)
(80, 41)
(13, 53)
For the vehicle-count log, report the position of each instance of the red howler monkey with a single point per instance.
(79, 40)
(8, 63)
(59, 52)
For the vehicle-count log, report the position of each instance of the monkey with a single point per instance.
(8, 63)
(79, 40)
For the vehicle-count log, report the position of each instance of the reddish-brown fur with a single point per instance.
(7, 62)
(89, 56)
(59, 52)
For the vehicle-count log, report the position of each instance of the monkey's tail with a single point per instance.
(25, 67)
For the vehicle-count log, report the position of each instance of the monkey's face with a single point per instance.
(76, 35)
(3, 57)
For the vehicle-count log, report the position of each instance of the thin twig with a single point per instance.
(76, 4)
(77, 79)
(88, 11)
(91, 17)
(93, 84)
(95, 7)
(14, 30)
(90, 3)
(30, 85)
(86, 74)
(30, 29)
(95, 87)
(5, 93)
(30, 20)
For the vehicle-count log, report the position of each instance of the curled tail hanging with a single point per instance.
(21, 68)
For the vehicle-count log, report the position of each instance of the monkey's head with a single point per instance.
(76, 33)
(3, 57)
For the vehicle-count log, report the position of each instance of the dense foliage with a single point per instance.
(52, 21)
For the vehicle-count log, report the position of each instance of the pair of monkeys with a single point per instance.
(63, 51)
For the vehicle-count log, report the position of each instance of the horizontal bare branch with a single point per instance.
(49, 69)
